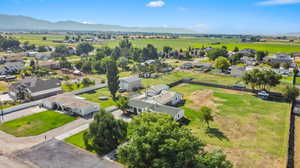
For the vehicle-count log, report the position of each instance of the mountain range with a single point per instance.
(14, 22)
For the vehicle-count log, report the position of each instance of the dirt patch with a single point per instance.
(249, 158)
(201, 98)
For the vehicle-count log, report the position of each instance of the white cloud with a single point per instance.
(278, 2)
(156, 4)
(182, 9)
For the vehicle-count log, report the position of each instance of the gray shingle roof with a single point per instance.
(35, 85)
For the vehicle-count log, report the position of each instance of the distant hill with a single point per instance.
(11, 22)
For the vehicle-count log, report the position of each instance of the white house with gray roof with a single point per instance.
(71, 104)
(138, 106)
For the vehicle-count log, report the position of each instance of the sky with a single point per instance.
(203, 16)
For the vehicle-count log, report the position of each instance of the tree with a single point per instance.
(260, 55)
(62, 50)
(87, 82)
(42, 49)
(236, 58)
(157, 141)
(291, 93)
(286, 65)
(222, 63)
(67, 38)
(236, 49)
(105, 133)
(125, 44)
(112, 75)
(215, 159)
(217, 52)
(44, 38)
(116, 54)
(64, 63)
(86, 67)
(206, 115)
(261, 79)
(33, 64)
(150, 52)
(98, 66)
(122, 104)
(123, 63)
(84, 48)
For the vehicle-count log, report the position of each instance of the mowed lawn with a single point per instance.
(36, 124)
(253, 132)
(94, 97)
(78, 141)
(203, 77)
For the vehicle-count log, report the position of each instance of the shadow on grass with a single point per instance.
(184, 121)
(215, 132)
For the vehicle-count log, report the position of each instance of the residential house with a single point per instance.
(250, 61)
(130, 83)
(247, 52)
(49, 64)
(156, 90)
(71, 104)
(11, 68)
(167, 98)
(237, 71)
(43, 56)
(280, 58)
(35, 88)
(137, 106)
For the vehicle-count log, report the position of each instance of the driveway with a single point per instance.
(58, 154)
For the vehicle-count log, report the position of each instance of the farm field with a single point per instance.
(206, 42)
(250, 134)
(37, 39)
(36, 124)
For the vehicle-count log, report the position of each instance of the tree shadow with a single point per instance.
(215, 132)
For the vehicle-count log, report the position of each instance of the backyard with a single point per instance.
(251, 135)
(36, 124)
(94, 97)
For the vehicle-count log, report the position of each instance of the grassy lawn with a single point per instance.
(78, 141)
(204, 77)
(199, 42)
(72, 87)
(251, 134)
(36, 124)
(94, 97)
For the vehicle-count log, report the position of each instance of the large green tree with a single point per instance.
(291, 93)
(105, 133)
(222, 63)
(261, 79)
(217, 52)
(112, 75)
(157, 141)
(84, 48)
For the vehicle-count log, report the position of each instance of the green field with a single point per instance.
(94, 97)
(182, 42)
(206, 42)
(250, 133)
(36, 124)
